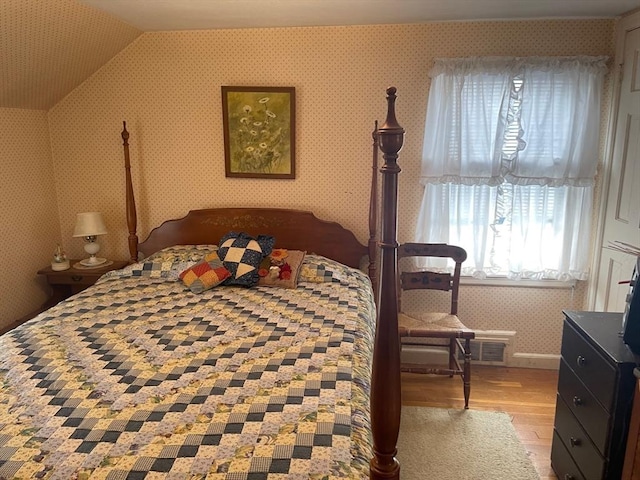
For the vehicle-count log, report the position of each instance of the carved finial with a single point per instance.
(391, 111)
(391, 133)
(125, 134)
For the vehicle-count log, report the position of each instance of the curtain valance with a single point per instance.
(521, 120)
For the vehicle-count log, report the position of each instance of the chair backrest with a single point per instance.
(431, 280)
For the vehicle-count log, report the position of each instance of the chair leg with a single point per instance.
(453, 349)
(466, 378)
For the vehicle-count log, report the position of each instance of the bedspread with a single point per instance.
(137, 377)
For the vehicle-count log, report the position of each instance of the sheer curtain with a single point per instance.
(509, 160)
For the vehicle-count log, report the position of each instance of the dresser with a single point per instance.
(631, 469)
(594, 399)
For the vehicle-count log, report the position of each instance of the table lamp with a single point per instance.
(89, 225)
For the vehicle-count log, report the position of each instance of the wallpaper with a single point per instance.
(29, 213)
(48, 48)
(166, 86)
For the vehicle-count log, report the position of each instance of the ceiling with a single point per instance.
(49, 47)
(150, 15)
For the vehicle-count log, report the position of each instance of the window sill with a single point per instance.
(506, 282)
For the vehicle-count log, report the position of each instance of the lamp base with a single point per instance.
(93, 262)
(80, 266)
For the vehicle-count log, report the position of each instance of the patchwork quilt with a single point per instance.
(139, 378)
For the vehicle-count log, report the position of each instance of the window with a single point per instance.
(509, 161)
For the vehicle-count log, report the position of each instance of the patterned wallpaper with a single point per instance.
(29, 214)
(49, 48)
(166, 85)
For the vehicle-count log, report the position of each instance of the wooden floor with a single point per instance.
(527, 395)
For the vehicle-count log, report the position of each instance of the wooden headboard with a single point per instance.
(292, 229)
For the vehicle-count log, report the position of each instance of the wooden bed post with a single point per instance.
(132, 219)
(385, 378)
(373, 214)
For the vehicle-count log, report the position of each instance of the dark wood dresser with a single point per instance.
(631, 469)
(594, 400)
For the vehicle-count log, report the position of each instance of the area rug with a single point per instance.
(437, 443)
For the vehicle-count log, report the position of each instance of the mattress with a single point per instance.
(138, 377)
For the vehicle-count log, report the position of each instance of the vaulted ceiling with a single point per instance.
(49, 47)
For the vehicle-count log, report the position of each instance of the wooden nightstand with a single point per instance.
(64, 284)
(69, 282)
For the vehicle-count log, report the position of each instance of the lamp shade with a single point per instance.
(89, 224)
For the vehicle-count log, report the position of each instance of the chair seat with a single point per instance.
(432, 324)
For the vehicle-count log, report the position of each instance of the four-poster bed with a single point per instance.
(139, 377)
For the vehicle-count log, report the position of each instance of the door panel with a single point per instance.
(622, 217)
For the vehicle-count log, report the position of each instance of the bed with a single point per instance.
(162, 371)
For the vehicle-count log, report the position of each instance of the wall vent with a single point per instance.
(490, 347)
(487, 352)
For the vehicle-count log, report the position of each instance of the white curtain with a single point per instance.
(465, 119)
(560, 118)
(509, 161)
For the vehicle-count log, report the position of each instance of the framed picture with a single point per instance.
(259, 131)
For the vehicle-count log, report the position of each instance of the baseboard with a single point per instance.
(544, 361)
(435, 356)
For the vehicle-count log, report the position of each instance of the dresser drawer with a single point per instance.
(578, 443)
(589, 366)
(584, 406)
(562, 463)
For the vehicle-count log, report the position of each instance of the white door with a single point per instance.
(622, 217)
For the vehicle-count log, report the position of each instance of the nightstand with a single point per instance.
(64, 284)
(69, 282)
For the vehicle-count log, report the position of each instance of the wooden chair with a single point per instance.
(432, 327)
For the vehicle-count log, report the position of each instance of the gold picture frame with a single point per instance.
(259, 131)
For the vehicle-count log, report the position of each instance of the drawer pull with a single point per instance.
(568, 476)
(76, 278)
(577, 401)
(575, 442)
(581, 361)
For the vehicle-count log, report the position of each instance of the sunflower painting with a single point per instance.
(259, 131)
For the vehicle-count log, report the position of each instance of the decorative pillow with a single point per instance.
(281, 268)
(206, 274)
(181, 253)
(242, 254)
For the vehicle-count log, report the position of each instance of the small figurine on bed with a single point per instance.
(274, 266)
(274, 272)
